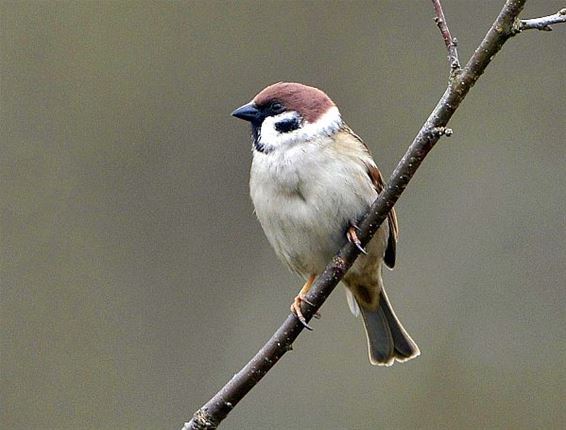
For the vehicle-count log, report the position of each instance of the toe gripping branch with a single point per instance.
(353, 238)
(301, 297)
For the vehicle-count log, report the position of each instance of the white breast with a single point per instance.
(305, 196)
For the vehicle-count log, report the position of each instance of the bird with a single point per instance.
(312, 179)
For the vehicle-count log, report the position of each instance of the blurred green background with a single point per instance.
(135, 280)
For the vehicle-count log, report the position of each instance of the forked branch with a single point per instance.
(505, 26)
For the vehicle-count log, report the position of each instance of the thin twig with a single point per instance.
(543, 24)
(450, 42)
(216, 409)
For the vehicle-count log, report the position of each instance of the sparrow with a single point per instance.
(312, 180)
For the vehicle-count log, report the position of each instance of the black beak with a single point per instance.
(248, 112)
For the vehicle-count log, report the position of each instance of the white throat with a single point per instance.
(271, 139)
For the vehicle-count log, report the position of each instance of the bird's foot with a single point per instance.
(296, 310)
(353, 238)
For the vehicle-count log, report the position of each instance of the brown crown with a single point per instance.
(310, 102)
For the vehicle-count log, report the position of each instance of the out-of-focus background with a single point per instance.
(135, 280)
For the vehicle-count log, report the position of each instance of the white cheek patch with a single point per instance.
(270, 138)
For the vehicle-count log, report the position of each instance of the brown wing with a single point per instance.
(390, 251)
(377, 181)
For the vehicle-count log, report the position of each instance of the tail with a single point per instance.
(387, 339)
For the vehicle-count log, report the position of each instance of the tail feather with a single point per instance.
(387, 339)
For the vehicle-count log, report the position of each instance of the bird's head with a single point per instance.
(286, 113)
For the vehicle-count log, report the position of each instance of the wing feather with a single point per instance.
(377, 180)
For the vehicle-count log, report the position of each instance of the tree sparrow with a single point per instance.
(312, 178)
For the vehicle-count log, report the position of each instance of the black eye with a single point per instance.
(276, 107)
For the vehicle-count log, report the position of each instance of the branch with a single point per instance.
(450, 42)
(543, 24)
(216, 409)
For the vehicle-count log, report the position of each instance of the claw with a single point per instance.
(304, 299)
(317, 314)
(296, 310)
(353, 238)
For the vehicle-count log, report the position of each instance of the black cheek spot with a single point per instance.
(287, 125)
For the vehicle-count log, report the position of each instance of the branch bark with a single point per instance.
(450, 42)
(544, 23)
(505, 26)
